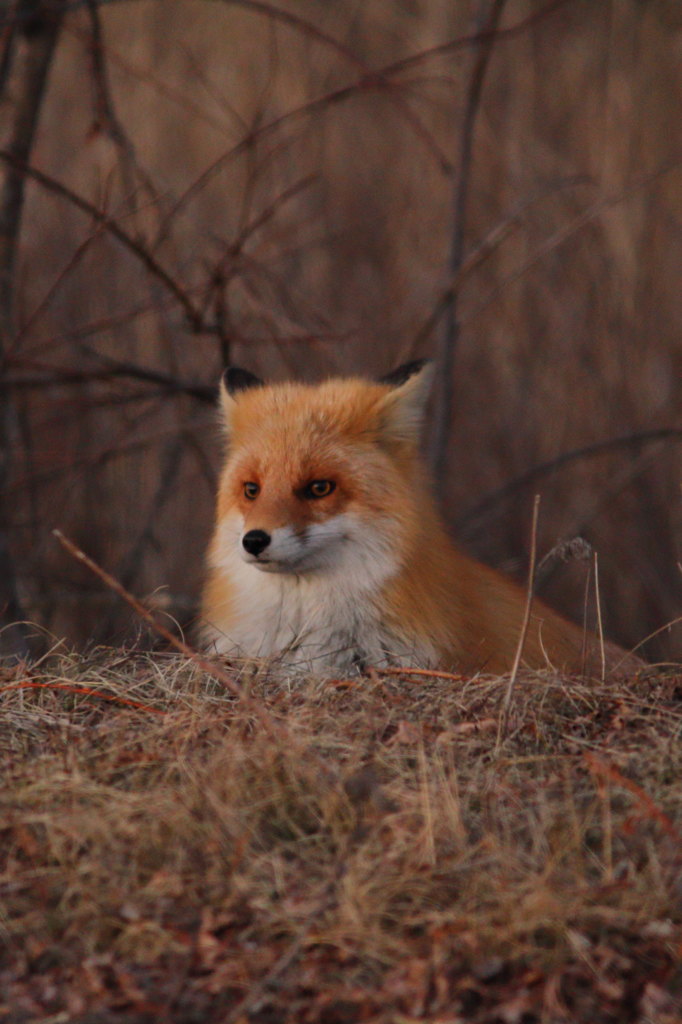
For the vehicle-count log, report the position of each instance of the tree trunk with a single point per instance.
(29, 34)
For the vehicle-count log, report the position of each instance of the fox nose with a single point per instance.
(255, 541)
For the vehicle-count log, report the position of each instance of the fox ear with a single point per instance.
(404, 407)
(235, 379)
(232, 382)
(403, 373)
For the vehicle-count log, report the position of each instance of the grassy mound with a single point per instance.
(332, 851)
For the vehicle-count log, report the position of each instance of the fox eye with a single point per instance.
(318, 488)
(251, 490)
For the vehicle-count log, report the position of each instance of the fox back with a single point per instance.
(328, 551)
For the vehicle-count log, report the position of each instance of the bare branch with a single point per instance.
(372, 81)
(114, 370)
(462, 42)
(382, 81)
(115, 230)
(445, 357)
(472, 521)
(171, 460)
(566, 232)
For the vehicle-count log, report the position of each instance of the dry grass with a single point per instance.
(164, 859)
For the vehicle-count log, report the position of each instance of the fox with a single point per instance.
(329, 552)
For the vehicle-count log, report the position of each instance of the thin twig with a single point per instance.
(504, 716)
(665, 628)
(257, 710)
(271, 210)
(429, 673)
(585, 624)
(87, 691)
(600, 624)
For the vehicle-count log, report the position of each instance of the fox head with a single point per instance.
(320, 477)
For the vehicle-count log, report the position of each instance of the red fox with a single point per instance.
(328, 550)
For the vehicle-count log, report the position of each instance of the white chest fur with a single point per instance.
(328, 620)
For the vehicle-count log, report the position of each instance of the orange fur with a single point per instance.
(367, 573)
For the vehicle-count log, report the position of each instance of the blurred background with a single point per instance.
(304, 189)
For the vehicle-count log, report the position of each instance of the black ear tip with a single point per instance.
(235, 379)
(403, 373)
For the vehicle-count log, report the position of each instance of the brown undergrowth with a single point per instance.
(378, 856)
